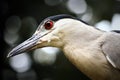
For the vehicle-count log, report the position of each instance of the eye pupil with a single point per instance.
(48, 25)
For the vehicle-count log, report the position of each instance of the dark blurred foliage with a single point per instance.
(28, 14)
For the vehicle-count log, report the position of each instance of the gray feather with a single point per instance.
(111, 49)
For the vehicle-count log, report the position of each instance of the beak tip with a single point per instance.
(9, 55)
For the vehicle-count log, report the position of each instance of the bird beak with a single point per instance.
(27, 45)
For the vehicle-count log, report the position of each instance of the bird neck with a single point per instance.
(79, 47)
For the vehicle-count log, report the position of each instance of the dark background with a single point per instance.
(20, 18)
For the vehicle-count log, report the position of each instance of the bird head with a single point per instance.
(50, 32)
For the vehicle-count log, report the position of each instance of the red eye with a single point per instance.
(48, 25)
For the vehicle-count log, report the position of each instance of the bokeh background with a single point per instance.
(19, 20)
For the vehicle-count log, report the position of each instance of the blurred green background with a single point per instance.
(19, 20)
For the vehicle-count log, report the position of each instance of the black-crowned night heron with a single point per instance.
(96, 53)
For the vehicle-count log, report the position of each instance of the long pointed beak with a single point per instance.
(27, 45)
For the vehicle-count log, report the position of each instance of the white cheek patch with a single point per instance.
(48, 38)
(52, 35)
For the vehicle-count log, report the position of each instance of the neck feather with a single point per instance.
(81, 47)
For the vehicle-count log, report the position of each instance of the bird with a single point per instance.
(94, 52)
